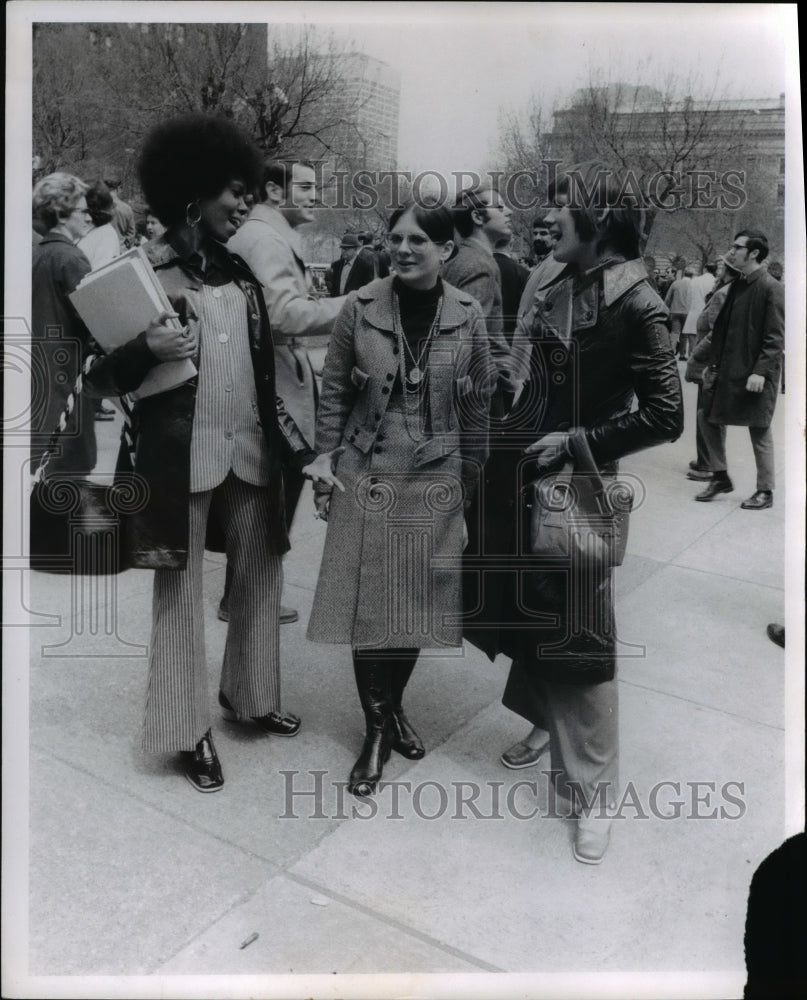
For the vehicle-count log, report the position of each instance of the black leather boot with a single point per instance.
(373, 684)
(406, 741)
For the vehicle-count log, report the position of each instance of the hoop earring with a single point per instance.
(195, 208)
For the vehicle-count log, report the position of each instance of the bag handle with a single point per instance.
(69, 410)
(583, 459)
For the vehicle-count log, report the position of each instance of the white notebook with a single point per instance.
(117, 302)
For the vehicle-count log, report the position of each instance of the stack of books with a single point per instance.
(117, 302)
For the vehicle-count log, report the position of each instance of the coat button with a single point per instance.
(390, 376)
(228, 435)
(395, 350)
(548, 307)
(378, 416)
(254, 315)
(378, 449)
(589, 315)
(385, 390)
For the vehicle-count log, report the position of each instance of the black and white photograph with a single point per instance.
(404, 496)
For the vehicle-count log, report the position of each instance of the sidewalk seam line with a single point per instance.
(391, 922)
(726, 576)
(163, 812)
(706, 708)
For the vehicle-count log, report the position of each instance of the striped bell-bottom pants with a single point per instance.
(178, 696)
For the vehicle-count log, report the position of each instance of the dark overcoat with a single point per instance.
(588, 352)
(361, 273)
(155, 536)
(748, 339)
(59, 343)
(390, 574)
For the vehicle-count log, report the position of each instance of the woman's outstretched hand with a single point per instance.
(321, 470)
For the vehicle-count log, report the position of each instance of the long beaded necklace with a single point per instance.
(414, 381)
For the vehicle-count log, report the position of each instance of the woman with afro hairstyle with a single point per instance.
(210, 450)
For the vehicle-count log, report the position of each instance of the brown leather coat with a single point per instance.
(587, 351)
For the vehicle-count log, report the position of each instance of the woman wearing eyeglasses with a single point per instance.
(59, 339)
(402, 421)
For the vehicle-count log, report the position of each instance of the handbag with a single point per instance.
(575, 516)
(76, 525)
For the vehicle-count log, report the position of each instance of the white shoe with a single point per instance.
(591, 838)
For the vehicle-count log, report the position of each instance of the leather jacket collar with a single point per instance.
(169, 249)
(618, 276)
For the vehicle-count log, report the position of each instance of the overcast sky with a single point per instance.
(461, 64)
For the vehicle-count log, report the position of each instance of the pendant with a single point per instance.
(415, 376)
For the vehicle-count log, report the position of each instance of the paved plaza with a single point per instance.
(458, 868)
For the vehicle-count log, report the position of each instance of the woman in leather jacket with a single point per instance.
(208, 451)
(593, 355)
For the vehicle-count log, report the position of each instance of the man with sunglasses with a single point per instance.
(745, 351)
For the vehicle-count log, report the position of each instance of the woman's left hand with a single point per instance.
(550, 449)
(321, 469)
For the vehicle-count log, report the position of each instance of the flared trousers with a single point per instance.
(177, 700)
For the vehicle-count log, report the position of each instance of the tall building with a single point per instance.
(371, 97)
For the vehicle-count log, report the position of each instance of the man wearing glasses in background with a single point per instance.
(745, 351)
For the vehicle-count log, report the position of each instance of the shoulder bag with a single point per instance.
(76, 525)
(575, 516)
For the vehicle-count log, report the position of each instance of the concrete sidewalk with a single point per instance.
(133, 873)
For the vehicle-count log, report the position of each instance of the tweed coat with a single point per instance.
(473, 269)
(390, 573)
(156, 535)
(748, 338)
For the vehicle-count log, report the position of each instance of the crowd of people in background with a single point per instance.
(440, 339)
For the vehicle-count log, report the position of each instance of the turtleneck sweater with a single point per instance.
(417, 308)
